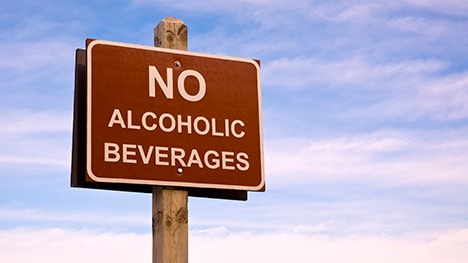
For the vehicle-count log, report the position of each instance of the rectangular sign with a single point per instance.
(172, 118)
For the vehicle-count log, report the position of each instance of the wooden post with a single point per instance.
(170, 207)
(170, 226)
(171, 33)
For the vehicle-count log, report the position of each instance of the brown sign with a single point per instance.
(172, 118)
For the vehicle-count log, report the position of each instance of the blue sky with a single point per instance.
(365, 121)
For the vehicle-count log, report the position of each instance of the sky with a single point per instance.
(365, 131)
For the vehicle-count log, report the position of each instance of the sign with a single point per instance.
(172, 118)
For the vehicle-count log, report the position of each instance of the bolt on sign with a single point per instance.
(167, 117)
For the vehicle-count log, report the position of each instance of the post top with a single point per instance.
(171, 32)
(172, 20)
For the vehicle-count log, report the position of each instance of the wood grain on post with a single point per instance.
(170, 207)
(172, 33)
(170, 226)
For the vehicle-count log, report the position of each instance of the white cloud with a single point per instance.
(83, 218)
(404, 90)
(61, 245)
(25, 121)
(35, 138)
(352, 12)
(433, 98)
(355, 72)
(450, 7)
(222, 6)
(290, 247)
(386, 156)
(400, 61)
(38, 43)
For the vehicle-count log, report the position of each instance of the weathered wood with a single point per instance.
(170, 207)
(170, 226)
(171, 33)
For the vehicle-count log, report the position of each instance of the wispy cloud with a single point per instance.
(365, 113)
(35, 138)
(386, 155)
(25, 121)
(57, 245)
(351, 73)
(450, 7)
(35, 216)
(281, 247)
(405, 90)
